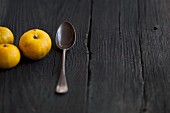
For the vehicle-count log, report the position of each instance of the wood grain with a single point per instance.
(116, 82)
(155, 45)
(30, 87)
(120, 63)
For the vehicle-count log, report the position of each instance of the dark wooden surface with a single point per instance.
(116, 77)
(120, 63)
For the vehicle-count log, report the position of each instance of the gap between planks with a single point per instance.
(87, 43)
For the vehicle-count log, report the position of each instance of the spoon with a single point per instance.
(65, 39)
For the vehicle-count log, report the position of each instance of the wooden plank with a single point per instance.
(116, 83)
(3, 4)
(155, 43)
(30, 87)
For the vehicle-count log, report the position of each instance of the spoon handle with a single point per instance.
(62, 83)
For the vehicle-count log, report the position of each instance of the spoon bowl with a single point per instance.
(65, 39)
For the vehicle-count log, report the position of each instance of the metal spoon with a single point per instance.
(65, 39)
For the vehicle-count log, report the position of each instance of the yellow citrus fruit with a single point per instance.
(35, 44)
(10, 56)
(6, 36)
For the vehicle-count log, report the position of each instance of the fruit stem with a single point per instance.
(35, 36)
(5, 45)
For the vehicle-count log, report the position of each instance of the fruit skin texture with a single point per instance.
(35, 44)
(10, 56)
(6, 36)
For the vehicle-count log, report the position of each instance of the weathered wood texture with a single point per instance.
(155, 47)
(116, 82)
(30, 87)
(120, 63)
